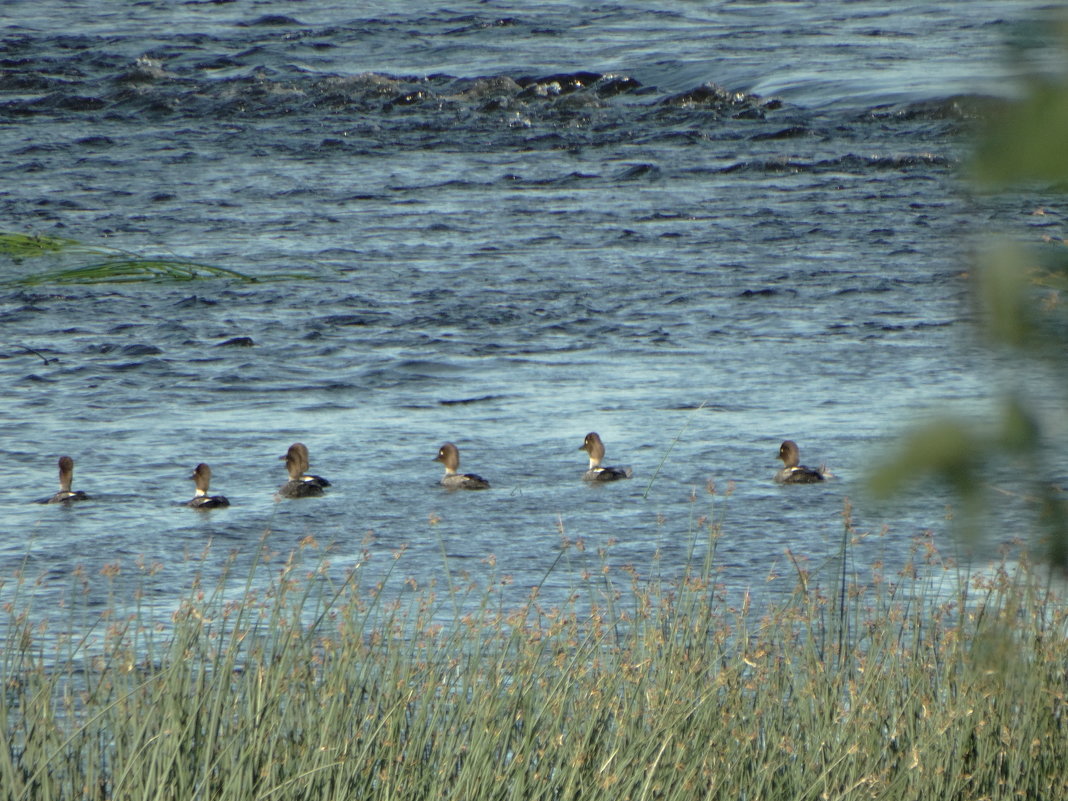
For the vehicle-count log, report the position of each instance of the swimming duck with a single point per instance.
(299, 485)
(66, 475)
(794, 473)
(595, 448)
(303, 450)
(201, 499)
(449, 455)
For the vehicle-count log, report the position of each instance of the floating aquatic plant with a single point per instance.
(135, 269)
(107, 265)
(19, 246)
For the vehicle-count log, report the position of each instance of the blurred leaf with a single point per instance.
(946, 449)
(1027, 141)
(1003, 295)
(1019, 429)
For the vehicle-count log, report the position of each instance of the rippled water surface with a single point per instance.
(698, 229)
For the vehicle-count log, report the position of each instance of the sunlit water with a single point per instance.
(495, 248)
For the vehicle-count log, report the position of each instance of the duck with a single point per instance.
(794, 473)
(303, 450)
(66, 475)
(299, 485)
(595, 448)
(201, 500)
(449, 455)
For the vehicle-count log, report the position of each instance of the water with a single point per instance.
(498, 249)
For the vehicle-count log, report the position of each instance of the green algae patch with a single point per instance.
(88, 264)
(19, 246)
(133, 269)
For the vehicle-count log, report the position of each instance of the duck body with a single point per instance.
(209, 502)
(593, 445)
(799, 475)
(300, 485)
(68, 497)
(795, 473)
(201, 499)
(468, 481)
(449, 455)
(66, 476)
(607, 473)
(298, 488)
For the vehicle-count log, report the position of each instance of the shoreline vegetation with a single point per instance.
(289, 682)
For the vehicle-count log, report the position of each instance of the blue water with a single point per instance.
(500, 225)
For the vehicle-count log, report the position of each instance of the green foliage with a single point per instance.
(1025, 141)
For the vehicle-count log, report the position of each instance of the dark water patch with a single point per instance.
(217, 63)
(95, 141)
(140, 350)
(24, 351)
(65, 102)
(956, 108)
(459, 184)
(551, 85)
(155, 365)
(717, 98)
(776, 165)
(612, 85)
(194, 301)
(847, 163)
(18, 76)
(270, 20)
(638, 171)
(408, 99)
(345, 320)
(766, 292)
(144, 71)
(236, 342)
(30, 150)
(149, 86)
(792, 132)
(466, 401)
(61, 204)
(473, 24)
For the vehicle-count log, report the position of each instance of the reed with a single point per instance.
(315, 685)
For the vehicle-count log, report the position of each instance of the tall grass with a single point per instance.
(317, 686)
